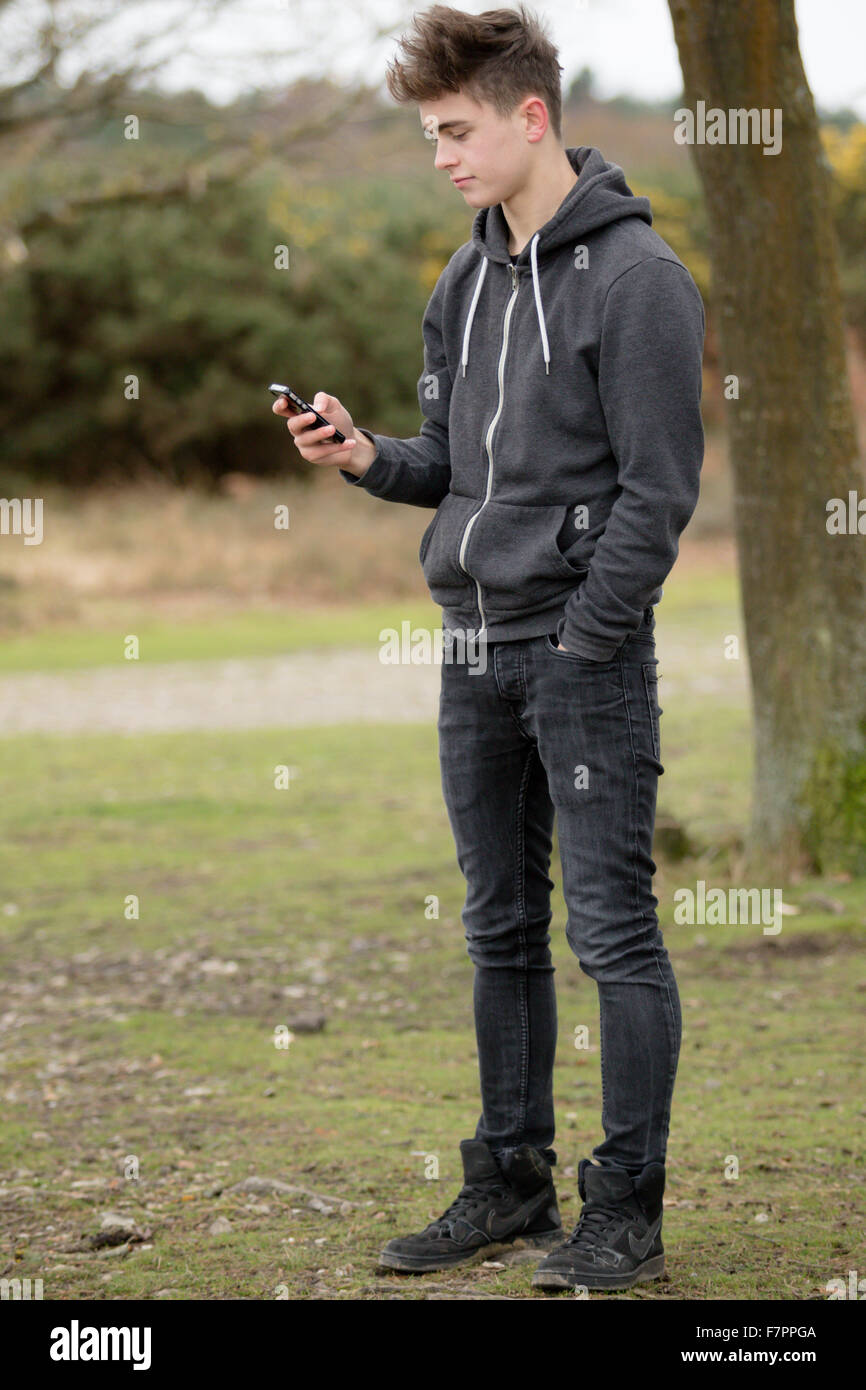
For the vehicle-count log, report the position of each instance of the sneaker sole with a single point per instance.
(561, 1279)
(428, 1264)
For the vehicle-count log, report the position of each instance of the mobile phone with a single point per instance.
(300, 406)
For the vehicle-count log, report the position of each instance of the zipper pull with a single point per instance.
(513, 269)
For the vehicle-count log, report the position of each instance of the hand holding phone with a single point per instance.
(323, 432)
(302, 407)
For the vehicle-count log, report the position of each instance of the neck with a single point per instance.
(538, 199)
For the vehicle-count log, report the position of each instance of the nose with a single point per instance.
(443, 160)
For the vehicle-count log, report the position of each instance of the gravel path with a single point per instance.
(311, 687)
(329, 687)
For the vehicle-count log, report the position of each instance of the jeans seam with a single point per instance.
(509, 703)
(648, 678)
(670, 1013)
(601, 1054)
(635, 807)
(670, 1020)
(520, 900)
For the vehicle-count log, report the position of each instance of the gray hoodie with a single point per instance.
(562, 440)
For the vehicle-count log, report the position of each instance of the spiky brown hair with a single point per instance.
(499, 56)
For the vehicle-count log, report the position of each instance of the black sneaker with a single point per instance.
(617, 1242)
(499, 1205)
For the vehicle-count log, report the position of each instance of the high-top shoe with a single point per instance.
(500, 1205)
(617, 1242)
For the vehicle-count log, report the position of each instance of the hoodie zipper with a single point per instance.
(461, 554)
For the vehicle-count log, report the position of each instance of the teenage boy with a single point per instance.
(561, 447)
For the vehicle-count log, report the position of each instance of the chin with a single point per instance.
(478, 197)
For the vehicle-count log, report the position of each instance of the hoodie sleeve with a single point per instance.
(649, 383)
(418, 470)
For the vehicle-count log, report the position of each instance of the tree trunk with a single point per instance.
(792, 436)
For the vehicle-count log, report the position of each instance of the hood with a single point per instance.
(601, 195)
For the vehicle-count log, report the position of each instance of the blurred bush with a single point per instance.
(184, 296)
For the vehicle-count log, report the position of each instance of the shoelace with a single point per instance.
(469, 1193)
(592, 1225)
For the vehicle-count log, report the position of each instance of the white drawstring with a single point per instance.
(478, 283)
(538, 305)
(539, 308)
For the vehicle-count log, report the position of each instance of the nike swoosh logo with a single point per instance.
(611, 1258)
(502, 1226)
(641, 1248)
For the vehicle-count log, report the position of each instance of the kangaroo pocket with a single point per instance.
(516, 554)
(447, 582)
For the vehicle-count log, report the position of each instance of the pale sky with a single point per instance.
(628, 43)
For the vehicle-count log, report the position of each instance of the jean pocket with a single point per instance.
(575, 657)
(651, 686)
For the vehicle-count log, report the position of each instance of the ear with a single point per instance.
(536, 120)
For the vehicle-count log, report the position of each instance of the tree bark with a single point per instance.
(792, 436)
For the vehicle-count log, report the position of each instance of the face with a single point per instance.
(474, 143)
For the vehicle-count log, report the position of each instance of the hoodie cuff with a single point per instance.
(576, 641)
(375, 467)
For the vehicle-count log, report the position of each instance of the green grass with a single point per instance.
(321, 888)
